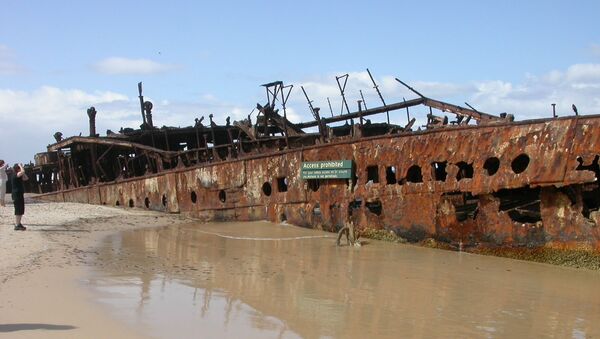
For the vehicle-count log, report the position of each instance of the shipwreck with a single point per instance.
(466, 179)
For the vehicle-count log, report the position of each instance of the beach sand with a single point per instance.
(43, 269)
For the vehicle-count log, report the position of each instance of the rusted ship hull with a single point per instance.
(513, 184)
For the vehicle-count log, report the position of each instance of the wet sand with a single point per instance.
(43, 285)
(261, 280)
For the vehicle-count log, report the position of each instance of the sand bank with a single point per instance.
(42, 270)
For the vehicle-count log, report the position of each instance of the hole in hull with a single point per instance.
(414, 174)
(266, 188)
(313, 184)
(372, 174)
(390, 175)
(282, 184)
(354, 205)
(590, 193)
(491, 165)
(464, 170)
(520, 163)
(374, 207)
(465, 204)
(521, 204)
(439, 170)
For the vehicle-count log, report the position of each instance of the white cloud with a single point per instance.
(119, 66)
(533, 98)
(51, 106)
(583, 72)
(8, 62)
(35, 116)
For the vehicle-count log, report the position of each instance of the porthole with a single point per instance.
(282, 184)
(439, 170)
(414, 174)
(373, 174)
(520, 163)
(491, 165)
(465, 171)
(390, 175)
(266, 188)
(313, 184)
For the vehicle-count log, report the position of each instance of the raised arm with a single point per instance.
(21, 173)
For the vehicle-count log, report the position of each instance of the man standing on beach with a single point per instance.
(18, 195)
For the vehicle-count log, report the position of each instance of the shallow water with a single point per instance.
(263, 280)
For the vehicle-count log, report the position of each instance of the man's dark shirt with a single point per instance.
(17, 187)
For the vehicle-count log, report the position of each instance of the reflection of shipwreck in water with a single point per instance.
(480, 179)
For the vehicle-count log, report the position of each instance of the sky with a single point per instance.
(58, 58)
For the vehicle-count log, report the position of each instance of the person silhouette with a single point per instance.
(3, 180)
(18, 194)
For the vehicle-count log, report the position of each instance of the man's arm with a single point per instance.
(22, 174)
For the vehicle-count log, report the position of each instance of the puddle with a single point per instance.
(263, 280)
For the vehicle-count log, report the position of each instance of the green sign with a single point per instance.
(332, 169)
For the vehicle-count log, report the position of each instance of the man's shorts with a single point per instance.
(19, 205)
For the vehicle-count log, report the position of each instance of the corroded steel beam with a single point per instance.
(442, 106)
(367, 112)
(446, 107)
(106, 141)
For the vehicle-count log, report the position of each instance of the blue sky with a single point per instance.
(57, 58)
